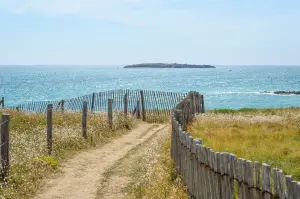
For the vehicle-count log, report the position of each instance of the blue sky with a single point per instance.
(117, 32)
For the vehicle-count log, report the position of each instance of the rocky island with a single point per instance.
(163, 65)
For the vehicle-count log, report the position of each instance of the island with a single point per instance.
(164, 65)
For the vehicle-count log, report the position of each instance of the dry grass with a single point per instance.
(29, 160)
(265, 135)
(154, 176)
(158, 116)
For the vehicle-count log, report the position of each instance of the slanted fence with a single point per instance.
(151, 106)
(219, 175)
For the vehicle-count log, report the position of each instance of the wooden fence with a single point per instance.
(216, 175)
(152, 106)
(5, 133)
(155, 106)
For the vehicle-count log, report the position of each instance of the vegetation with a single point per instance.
(263, 111)
(271, 136)
(164, 65)
(154, 175)
(29, 160)
(157, 116)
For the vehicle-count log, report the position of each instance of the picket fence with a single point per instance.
(220, 175)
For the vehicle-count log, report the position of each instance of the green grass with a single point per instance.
(30, 163)
(255, 111)
(269, 136)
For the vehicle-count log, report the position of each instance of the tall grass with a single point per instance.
(154, 175)
(29, 161)
(267, 135)
(255, 111)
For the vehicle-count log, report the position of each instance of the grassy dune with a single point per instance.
(29, 160)
(265, 135)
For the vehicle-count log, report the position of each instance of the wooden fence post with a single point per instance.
(110, 113)
(257, 168)
(93, 102)
(138, 113)
(125, 104)
(202, 104)
(143, 105)
(49, 128)
(266, 181)
(84, 119)
(2, 102)
(5, 159)
(198, 103)
(62, 105)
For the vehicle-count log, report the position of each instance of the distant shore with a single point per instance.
(164, 65)
(284, 92)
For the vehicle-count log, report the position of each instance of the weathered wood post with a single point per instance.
(266, 181)
(143, 105)
(2, 102)
(125, 105)
(202, 104)
(62, 105)
(93, 102)
(179, 116)
(186, 113)
(198, 102)
(138, 113)
(5, 159)
(84, 119)
(194, 102)
(110, 113)
(49, 128)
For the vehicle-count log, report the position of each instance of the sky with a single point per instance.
(118, 32)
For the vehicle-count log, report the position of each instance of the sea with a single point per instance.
(223, 87)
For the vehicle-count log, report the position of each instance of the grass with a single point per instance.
(254, 111)
(30, 163)
(157, 116)
(269, 136)
(154, 176)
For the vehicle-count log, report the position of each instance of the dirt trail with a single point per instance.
(81, 174)
(119, 179)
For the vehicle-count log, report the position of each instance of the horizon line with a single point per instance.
(145, 63)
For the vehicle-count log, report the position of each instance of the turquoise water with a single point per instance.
(223, 87)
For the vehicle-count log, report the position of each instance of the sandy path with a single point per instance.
(81, 174)
(120, 176)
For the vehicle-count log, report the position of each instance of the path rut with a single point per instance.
(81, 174)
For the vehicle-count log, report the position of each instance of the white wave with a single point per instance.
(236, 92)
(254, 92)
